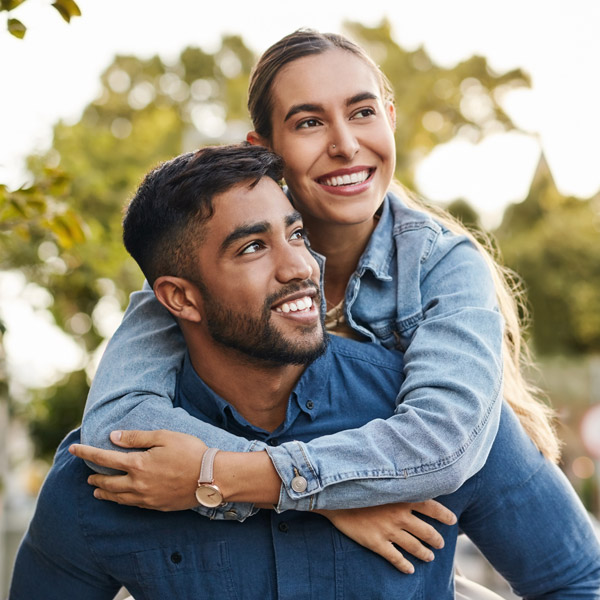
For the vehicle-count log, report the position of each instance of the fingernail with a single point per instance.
(429, 557)
(115, 436)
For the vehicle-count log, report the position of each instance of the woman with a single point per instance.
(397, 274)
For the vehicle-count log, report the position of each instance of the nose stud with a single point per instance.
(333, 145)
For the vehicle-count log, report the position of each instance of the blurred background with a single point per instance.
(498, 121)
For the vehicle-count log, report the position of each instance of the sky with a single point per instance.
(54, 73)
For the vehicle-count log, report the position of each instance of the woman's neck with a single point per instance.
(342, 246)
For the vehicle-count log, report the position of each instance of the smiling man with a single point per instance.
(226, 255)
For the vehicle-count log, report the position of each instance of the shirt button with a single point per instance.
(310, 405)
(274, 442)
(176, 558)
(283, 527)
(299, 483)
(231, 515)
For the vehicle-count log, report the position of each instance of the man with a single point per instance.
(226, 254)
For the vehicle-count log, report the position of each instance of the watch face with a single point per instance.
(209, 495)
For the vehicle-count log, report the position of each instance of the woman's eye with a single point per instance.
(363, 112)
(251, 248)
(308, 123)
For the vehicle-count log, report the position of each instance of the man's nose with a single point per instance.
(295, 263)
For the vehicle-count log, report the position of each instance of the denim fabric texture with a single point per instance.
(418, 288)
(519, 509)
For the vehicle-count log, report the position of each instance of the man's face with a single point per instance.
(258, 281)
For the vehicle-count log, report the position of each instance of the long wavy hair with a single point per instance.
(536, 417)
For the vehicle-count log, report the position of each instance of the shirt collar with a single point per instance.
(379, 252)
(210, 407)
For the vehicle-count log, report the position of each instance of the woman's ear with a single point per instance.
(180, 297)
(391, 114)
(257, 140)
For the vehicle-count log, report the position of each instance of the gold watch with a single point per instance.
(208, 493)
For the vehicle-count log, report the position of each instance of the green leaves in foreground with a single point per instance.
(66, 8)
(41, 207)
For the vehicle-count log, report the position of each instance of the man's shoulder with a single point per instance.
(365, 353)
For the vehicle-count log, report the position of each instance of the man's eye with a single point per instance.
(299, 234)
(308, 123)
(251, 248)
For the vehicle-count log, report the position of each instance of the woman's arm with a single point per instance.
(442, 431)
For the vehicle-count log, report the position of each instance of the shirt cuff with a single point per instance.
(299, 479)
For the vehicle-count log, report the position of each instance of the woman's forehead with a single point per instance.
(333, 75)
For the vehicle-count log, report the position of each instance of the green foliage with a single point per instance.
(54, 412)
(553, 242)
(66, 8)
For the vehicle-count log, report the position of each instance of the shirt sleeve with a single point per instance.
(134, 388)
(523, 503)
(448, 405)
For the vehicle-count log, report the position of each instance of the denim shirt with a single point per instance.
(519, 509)
(417, 287)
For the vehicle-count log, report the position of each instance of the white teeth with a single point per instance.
(302, 304)
(347, 179)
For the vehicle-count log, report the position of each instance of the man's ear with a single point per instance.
(181, 297)
(257, 140)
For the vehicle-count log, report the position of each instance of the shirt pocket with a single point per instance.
(201, 570)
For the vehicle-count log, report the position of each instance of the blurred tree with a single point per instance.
(553, 242)
(149, 111)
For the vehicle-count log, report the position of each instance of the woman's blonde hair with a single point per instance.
(535, 416)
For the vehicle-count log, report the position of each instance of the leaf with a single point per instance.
(9, 5)
(67, 9)
(16, 28)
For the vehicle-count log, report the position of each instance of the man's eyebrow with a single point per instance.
(244, 231)
(292, 218)
(318, 108)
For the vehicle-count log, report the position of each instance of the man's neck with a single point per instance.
(257, 390)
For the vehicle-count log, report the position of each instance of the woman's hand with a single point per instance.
(383, 529)
(163, 477)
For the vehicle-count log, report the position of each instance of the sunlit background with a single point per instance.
(498, 120)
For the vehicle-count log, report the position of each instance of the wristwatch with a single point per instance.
(208, 494)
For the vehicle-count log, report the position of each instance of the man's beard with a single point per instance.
(257, 339)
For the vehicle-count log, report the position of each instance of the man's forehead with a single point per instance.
(247, 207)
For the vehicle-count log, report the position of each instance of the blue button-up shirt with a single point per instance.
(519, 509)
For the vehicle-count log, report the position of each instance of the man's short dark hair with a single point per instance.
(163, 223)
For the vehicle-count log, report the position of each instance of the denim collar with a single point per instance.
(379, 252)
(212, 408)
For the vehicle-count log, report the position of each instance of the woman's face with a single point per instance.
(335, 133)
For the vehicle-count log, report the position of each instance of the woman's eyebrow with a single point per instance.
(302, 108)
(318, 108)
(360, 97)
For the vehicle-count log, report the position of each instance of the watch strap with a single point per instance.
(207, 466)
